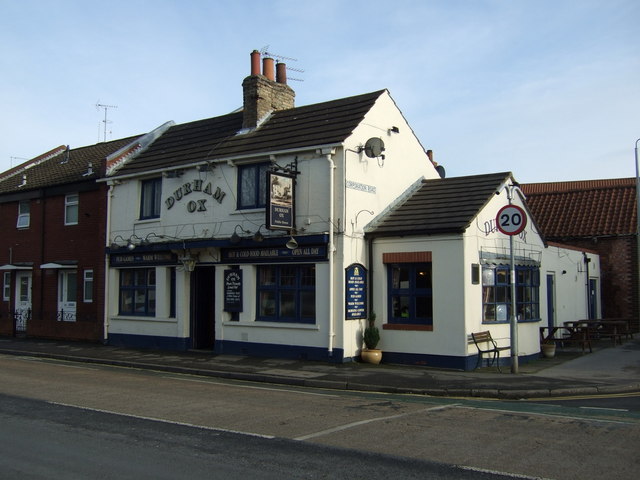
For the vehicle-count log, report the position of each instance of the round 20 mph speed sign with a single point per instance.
(511, 219)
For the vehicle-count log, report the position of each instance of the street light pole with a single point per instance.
(637, 231)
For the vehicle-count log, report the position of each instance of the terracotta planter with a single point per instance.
(371, 356)
(548, 350)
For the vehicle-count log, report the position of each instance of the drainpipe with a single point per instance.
(332, 166)
(107, 274)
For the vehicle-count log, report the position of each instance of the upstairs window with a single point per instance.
(252, 185)
(24, 215)
(150, 198)
(71, 203)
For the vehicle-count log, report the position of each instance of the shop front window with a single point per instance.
(138, 291)
(286, 293)
(496, 293)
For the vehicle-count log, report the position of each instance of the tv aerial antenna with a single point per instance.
(264, 51)
(105, 121)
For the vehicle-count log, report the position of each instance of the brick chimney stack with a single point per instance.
(266, 92)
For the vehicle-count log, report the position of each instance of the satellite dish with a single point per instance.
(441, 171)
(374, 147)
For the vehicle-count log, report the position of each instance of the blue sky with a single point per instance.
(547, 89)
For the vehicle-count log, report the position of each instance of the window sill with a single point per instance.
(407, 327)
(263, 324)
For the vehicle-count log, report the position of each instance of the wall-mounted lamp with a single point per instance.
(258, 237)
(564, 272)
(394, 129)
(133, 242)
(235, 238)
(292, 244)
(114, 243)
(188, 261)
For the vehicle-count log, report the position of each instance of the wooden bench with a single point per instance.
(485, 344)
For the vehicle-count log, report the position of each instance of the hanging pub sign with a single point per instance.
(233, 290)
(280, 201)
(356, 291)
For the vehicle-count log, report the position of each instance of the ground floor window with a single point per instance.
(410, 293)
(138, 291)
(286, 293)
(496, 293)
(6, 286)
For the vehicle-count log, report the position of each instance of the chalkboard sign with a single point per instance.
(356, 292)
(233, 290)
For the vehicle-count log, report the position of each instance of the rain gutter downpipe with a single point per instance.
(328, 153)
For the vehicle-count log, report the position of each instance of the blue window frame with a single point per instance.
(150, 198)
(138, 292)
(410, 293)
(286, 293)
(252, 185)
(496, 293)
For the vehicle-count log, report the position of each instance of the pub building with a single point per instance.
(276, 230)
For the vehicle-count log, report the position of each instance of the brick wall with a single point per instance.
(619, 281)
(48, 240)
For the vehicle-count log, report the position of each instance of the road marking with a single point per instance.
(606, 409)
(250, 387)
(370, 420)
(162, 420)
(496, 472)
(56, 362)
(553, 415)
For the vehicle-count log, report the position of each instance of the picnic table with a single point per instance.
(583, 332)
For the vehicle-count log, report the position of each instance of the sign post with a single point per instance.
(512, 220)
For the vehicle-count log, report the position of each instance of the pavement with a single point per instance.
(609, 369)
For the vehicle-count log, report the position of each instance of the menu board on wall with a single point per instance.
(356, 291)
(233, 290)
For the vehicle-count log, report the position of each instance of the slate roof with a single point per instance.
(56, 168)
(446, 205)
(327, 123)
(588, 208)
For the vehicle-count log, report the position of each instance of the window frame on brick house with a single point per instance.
(71, 208)
(24, 214)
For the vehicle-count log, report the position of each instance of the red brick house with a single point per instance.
(598, 215)
(52, 247)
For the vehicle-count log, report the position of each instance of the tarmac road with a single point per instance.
(516, 437)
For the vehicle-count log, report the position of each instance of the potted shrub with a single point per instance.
(371, 337)
(548, 348)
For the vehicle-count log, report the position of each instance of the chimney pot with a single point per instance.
(255, 62)
(281, 73)
(267, 68)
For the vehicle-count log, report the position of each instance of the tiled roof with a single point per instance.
(446, 205)
(583, 208)
(327, 123)
(58, 167)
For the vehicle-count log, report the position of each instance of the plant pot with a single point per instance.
(548, 350)
(371, 355)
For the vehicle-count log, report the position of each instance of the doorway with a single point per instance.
(203, 308)
(22, 311)
(67, 295)
(593, 298)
